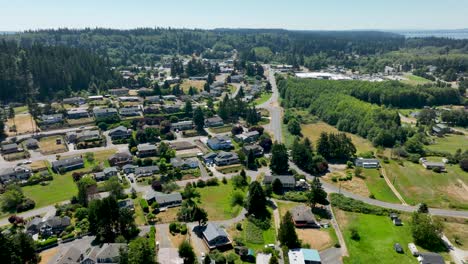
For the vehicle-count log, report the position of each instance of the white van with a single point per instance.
(414, 250)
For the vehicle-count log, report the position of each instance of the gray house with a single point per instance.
(215, 236)
(288, 181)
(120, 132)
(367, 163)
(226, 158)
(303, 217)
(146, 171)
(16, 173)
(68, 164)
(214, 121)
(102, 113)
(51, 119)
(163, 199)
(10, 148)
(77, 113)
(146, 150)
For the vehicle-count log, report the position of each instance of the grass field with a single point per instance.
(255, 237)
(220, 129)
(49, 146)
(196, 84)
(60, 189)
(23, 124)
(449, 143)
(262, 99)
(415, 80)
(416, 184)
(456, 230)
(216, 200)
(21, 109)
(378, 187)
(312, 131)
(377, 237)
(80, 121)
(39, 165)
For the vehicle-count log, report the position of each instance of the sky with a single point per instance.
(18, 15)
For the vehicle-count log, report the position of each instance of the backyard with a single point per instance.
(377, 237)
(416, 184)
(216, 200)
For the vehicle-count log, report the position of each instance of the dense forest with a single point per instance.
(379, 124)
(147, 46)
(45, 72)
(389, 93)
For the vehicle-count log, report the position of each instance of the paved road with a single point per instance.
(276, 111)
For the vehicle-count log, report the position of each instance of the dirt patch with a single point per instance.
(168, 216)
(47, 255)
(48, 145)
(196, 84)
(316, 238)
(356, 185)
(177, 239)
(38, 165)
(341, 218)
(24, 124)
(459, 191)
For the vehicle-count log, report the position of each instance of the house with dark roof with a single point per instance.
(120, 159)
(127, 203)
(215, 236)
(237, 78)
(154, 99)
(430, 165)
(219, 143)
(440, 130)
(106, 174)
(51, 119)
(256, 149)
(303, 217)
(430, 258)
(74, 101)
(367, 163)
(129, 168)
(83, 136)
(288, 181)
(77, 113)
(31, 143)
(33, 226)
(68, 164)
(146, 150)
(182, 125)
(10, 148)
(130, 111)
(54, 225)
(103, 113)
(119, 91)
(17, 173)
(180, 163)
(120, 132)
(209, 157)
(226, 158)
(146, 171)
(214, 121)
(164, 200)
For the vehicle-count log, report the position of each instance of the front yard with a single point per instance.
(216, 200)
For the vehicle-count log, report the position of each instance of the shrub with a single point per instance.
(201, 183)
(437, 170)
(355, 234)
(212, 182)
(351, 205)
(174, 228)
(48, 242)
(239, 226)
(26, 205)
(144, 205)
(183, 229)
(224, 180)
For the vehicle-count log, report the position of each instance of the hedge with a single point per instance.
(351, 205)
(144, 205)
(48, 242)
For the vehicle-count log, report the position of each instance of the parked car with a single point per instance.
(398, 248)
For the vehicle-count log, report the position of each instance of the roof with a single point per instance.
(147, 169)
(67, 161)
(302, 213)
(162, 198)
(213, 231)
(110, 169)
(104, 110)
(146, 147)
(214, 119)
(226, 155)
(129, 166)
(110, 251)
(434, 164)
(118, 129)
(300, 256)
(210, 155)
(31, 141)
(57, 221)
(367, 160)
(284, 179)
(10, 146)
(120, 156)
(431, 258)
(72, 255)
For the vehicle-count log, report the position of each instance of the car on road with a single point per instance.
(398, 248)
(24, 162)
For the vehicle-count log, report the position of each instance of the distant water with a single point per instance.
(454, 34)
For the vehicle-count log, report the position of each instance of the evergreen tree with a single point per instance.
(277, 186)
(199, 119)
(279, 159)
(188, 109)
(256, 200)
(287, 232)
(251, 161)
(186, 253)
(317, 194)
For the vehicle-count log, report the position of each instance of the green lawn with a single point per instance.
(263, 98)
(378, 187)
(416, 184)
(216, 200)
(450, 143)
(377, 237)
(415, 80)
(256, 238)
(21, 109)
(60, 189)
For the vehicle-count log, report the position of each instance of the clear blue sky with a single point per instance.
(290, 14)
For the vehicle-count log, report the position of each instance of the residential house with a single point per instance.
(189, 163)
(85, 135)
(130, 111)
(31, 143)
(430, 258)
(209, 157)
(181, 145)
(169, 97)
(182, 125)
(129, 99)
(164, 200)
(154, 99)
(33, 226)
(288, 181)
(303, 217)
(67, 164)
(108, 253)
(103, 113)
(77, 113)
(247, 137)
(220, 143)
(10, 148)
(263, 258)
(215, 236)
(432, 165)
(74, 101)
(120, 159)
(367, 163)
(54, 225)
(127, 203)
(214, 121)
(152, 109)
(129, 168)
(105, 174)
(304, 256)
(146, 150)
(256, 149)
(120, 132)
(226, 158)
(171, 108)
(440, 130)
(51, 119)
(198, 78)
(17, 173)
(119, 91)
(146, 171)
(237, 78)
(95, 97)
